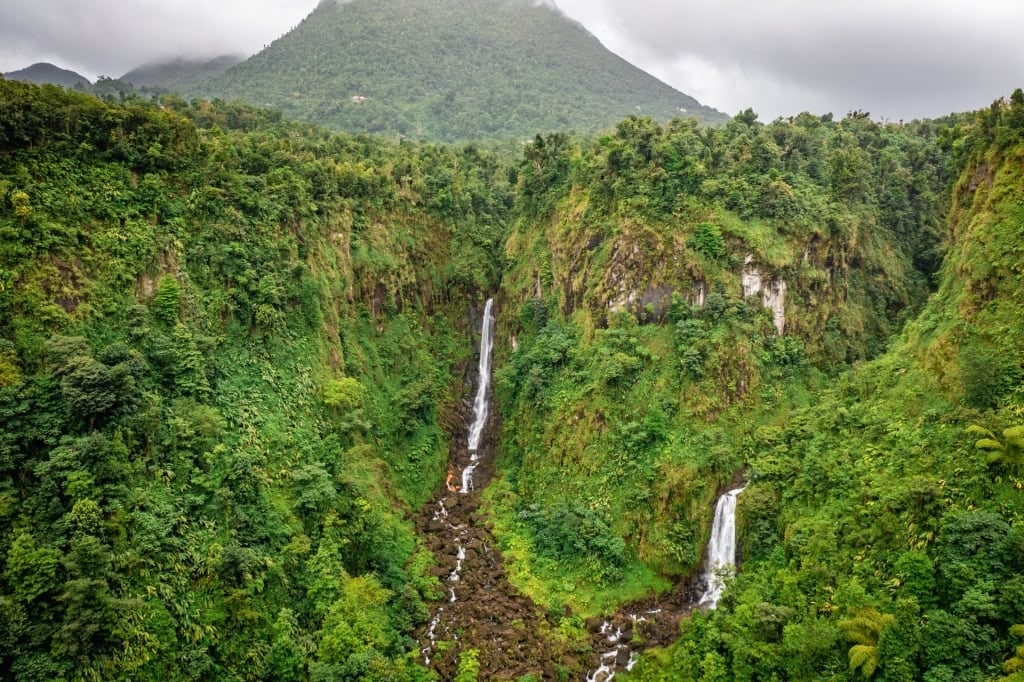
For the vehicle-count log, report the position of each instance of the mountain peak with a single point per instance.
(450, 70)
(44, 72)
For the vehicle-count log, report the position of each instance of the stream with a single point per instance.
(481, 610)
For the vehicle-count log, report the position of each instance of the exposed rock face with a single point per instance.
(774, 297)
(752, 281)
(698, 296)
(773, 294)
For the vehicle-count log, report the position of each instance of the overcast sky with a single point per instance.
(898, 59)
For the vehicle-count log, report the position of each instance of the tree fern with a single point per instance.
(1009, 451)
(865, 631)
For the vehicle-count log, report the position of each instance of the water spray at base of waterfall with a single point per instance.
(721, 562)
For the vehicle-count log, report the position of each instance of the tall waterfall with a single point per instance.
(476, 429)
(721, 548)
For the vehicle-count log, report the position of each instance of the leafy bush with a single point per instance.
(574, 534)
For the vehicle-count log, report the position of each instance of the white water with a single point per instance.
(441, 514)
(611, 659)
(721, 548)
(480, 405)
(476, 430)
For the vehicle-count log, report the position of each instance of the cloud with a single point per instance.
(895, 58)
(109, 37)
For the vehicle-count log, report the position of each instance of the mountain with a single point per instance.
(43, 72)
(449, 70)
(179, 75)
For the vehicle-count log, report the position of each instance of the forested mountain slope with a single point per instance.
(48, 73)
(229, 348)
(651, 276)
(449, 70)
(881, 531)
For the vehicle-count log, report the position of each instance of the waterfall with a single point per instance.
(460, 531)
(476, 429)
(721, 548)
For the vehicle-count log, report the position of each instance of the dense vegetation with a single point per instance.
(233, 348)
(225, 347)
(881, 527)
(443, 70)
(633, 331)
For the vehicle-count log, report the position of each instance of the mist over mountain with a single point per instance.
(179, 74)
(444, 70)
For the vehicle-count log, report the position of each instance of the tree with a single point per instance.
(285, 661)
(1009, 451)
(95, 389)
(1014, 666)
(865, 630)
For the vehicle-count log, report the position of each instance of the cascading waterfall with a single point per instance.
(480, 404)
(721, 548)
(721, 562)
(476, 430)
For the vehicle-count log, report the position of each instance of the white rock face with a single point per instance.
(698, 296)
(773, 296)
(751, 278)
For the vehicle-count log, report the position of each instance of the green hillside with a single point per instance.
(881, 525)
(237, 355)
(642, 359)
(42, 73)
(449, 70)
(884, 523)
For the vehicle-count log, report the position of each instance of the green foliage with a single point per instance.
(865, 630)
(469, 666)
(221, 379)
(167, 301)
(1007, 450)
(571, 534)
(707, 240)
(344, 394)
